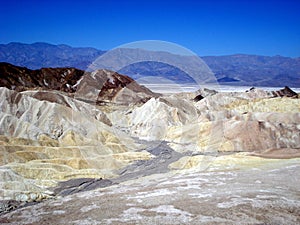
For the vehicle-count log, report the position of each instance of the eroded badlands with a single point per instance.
(131, 156)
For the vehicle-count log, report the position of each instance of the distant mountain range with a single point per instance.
(256, 70)
(38, 55)
(239, 69)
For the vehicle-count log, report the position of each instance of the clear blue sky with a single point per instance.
(205, 27)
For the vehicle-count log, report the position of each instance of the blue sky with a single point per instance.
(205, 27)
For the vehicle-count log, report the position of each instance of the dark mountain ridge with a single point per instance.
(99, 86)
(21, 78)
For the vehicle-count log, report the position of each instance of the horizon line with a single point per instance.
(209, 55)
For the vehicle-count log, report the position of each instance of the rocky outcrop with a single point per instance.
(97, 87)
(202, 93)
(285, 92)
(20, 78)
(104, 86)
